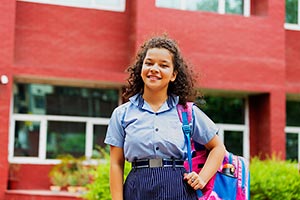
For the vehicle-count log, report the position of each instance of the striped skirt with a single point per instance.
(161, 183)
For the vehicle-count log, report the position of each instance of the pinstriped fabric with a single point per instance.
(157, 184)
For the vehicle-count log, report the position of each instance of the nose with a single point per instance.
(154, 68)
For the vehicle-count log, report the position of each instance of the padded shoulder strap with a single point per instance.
(188, 110)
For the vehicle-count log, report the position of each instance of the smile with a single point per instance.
(153, 77)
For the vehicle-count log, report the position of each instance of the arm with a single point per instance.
(116, 172)
(212, 164)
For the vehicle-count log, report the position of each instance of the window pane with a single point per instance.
(27, 138)
(81, 3)
(224, 110)
(205, 5)
(99, 136)
(292, 113)
(234, 6)
(233, 141)
(168, 3)
(59, 100)
(292, 146)
(65, 138)
(114, 3)
(291, 11)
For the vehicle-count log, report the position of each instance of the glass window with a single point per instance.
(291, 11)
(293, 113)
(234, 6)
(168, 4)
(240, 7)
(292, 130)
(113, 5)
(49, 121)
(224, 109)
(99, 136)
(59, 100)
(65, 138)
(292, 143)
(233, 141)
(26, 138)
(205, 5)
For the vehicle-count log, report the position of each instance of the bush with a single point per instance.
(274, 179)
(71, 172)
(99, 188)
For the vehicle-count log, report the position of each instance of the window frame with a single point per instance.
(43, 120)
(294, 130)
(221, 7)
(119, 8)
(243, 128)
(295, 27)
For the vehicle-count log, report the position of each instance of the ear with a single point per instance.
(173, 78)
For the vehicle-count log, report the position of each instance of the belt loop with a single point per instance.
(134, 164)
(173, 163)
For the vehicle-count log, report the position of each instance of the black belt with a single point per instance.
(157, 162)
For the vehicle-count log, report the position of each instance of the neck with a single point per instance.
(155, 100)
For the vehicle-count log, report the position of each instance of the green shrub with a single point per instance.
(274, 179)
(99, 188)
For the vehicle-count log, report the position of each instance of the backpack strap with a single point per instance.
(185, 115)
(187, 110)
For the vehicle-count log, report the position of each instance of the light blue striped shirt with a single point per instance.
(143, 133)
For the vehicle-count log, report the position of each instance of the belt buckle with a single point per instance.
(155, 162)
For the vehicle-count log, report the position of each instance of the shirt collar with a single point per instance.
(138, 101)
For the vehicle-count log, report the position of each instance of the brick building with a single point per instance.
(62, 69)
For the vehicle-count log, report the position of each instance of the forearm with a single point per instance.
(116, 182)
(116, 172)
(213, 162)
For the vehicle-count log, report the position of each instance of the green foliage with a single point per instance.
(99, 188)
(71, 172)
(274, 179)
(58, 178)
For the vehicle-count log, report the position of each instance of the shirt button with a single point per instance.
(157, 148)
(156, 129)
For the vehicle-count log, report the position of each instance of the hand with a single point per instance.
(194, 180)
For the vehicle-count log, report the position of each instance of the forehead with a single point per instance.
(159, 53)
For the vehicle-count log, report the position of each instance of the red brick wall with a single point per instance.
(70, 42)
(230, 51)
(293, 61)
(7, 11)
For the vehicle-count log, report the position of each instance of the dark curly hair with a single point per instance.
(183, 86)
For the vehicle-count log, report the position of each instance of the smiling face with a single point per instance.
(158, 70)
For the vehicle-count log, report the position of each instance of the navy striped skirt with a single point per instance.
(161, 183)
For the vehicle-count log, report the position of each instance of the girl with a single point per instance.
(146, 130)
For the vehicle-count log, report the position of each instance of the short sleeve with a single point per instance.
(203, 128)
(115, 132)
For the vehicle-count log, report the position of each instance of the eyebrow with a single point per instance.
(163, 61)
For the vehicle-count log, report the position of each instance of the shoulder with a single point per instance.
(122, 108)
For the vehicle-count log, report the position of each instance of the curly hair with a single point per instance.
(183, 86)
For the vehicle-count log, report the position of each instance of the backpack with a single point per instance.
(232, 180)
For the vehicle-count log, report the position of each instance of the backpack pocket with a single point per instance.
(225, 186)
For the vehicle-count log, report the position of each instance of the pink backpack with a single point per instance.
(232, 180)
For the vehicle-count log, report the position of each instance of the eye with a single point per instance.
(148, 63)
(164, 66)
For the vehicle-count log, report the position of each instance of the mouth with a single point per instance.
(151, 77)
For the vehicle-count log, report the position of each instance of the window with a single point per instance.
(292, 16)
(231, 116)
(292, 130)
(49, 121)
(239, 7)
(112, 5)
